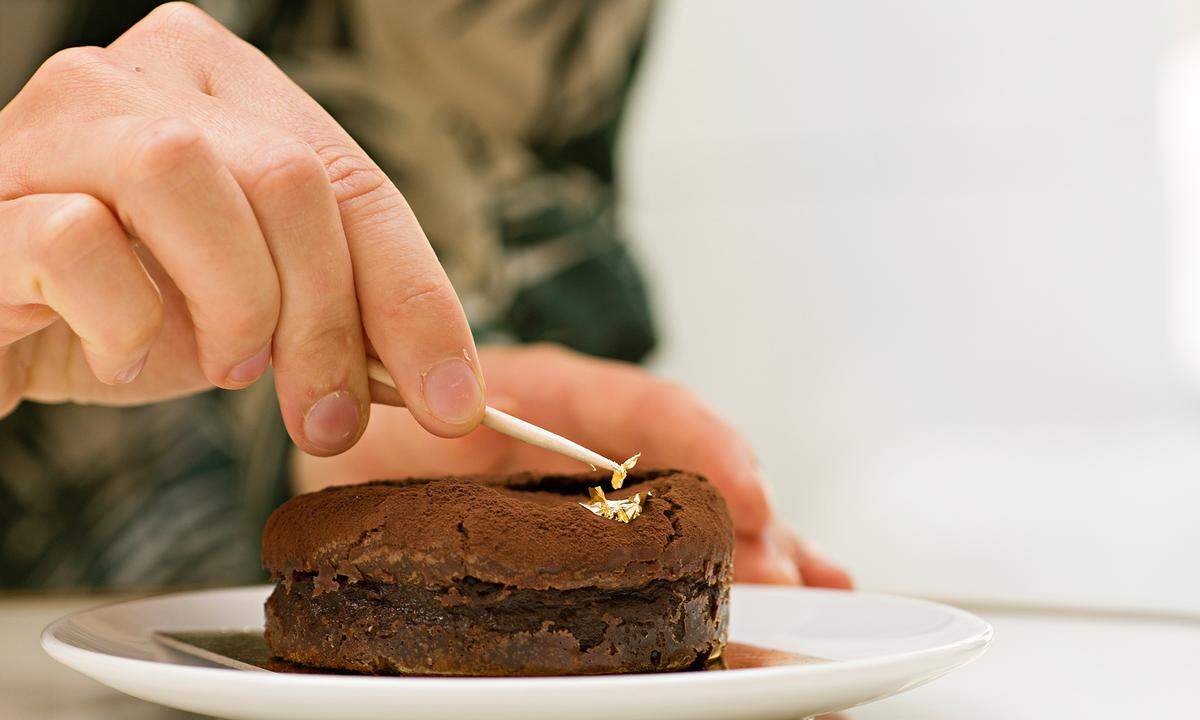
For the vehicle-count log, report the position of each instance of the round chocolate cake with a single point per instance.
(500, 575)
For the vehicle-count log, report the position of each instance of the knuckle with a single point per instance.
(286, 166)
(430, 299)
(327, 343)
(355, 179)
(73, 62)
(164, 147)
(180, 17)
(73, 232)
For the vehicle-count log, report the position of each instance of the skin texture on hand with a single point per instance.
(611, 407)
(175, 214)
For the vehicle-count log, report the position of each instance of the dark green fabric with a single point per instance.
(182, 503)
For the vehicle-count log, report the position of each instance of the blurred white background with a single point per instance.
(919, 252)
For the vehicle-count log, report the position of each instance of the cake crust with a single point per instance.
(500, 575)
(525, 530)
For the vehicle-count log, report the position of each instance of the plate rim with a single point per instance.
(978, 642)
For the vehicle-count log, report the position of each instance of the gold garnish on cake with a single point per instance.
(620, 510)
(598, 503)
(618, 477)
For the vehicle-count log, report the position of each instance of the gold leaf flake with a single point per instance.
(598, 504)
(618, 476)
(620, 510)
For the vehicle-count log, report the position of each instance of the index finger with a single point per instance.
(410, 311)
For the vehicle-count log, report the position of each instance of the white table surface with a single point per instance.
(1042, 664)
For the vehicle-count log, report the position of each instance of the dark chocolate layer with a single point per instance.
(474, 628)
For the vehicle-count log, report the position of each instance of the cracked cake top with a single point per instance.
(524, 530)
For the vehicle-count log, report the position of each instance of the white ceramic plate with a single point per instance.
(879, 645)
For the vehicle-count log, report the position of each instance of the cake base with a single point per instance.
(477, 628)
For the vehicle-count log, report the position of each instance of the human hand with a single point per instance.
(175, 213)
(613, 408)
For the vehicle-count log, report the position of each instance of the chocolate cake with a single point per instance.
(500, 575)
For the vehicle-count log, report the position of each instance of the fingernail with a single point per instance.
(128, 375)
(248, 370)
(452, 391)
(331, 421)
